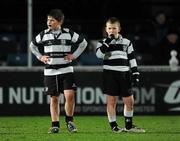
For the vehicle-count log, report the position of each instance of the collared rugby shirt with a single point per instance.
(118, 55)
(57, 44)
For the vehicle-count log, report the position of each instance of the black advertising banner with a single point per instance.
(166, 88)
(21, 93)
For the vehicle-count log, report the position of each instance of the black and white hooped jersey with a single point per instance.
(118, 55)
(57, 44)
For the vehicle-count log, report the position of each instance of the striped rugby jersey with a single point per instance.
(118, 55)
(57, 44)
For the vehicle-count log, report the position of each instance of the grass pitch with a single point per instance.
(90, 128)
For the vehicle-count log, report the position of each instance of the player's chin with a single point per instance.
(49, 27)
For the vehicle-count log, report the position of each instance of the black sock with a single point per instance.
(55, 124)
(128, 122)
(69, 118)
(113, 124)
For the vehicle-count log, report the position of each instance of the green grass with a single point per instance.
(90, 128)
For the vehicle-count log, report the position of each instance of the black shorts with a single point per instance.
(117, 83)
(56, 84)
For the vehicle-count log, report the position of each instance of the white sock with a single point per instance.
(111, 118)
(128, 113)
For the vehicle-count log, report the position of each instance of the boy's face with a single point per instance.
(113, 28)
(53, 24)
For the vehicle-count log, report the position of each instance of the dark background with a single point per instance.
(90, 14)
(87, 17)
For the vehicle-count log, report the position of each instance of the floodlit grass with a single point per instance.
(90, 128)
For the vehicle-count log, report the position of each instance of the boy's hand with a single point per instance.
(69, 57)
(109, 39)
(44, 59)
(135, 80)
